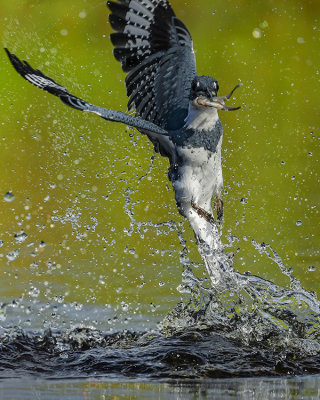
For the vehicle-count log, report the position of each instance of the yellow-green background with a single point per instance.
(68, 170)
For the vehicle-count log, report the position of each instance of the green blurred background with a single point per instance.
(74, 176)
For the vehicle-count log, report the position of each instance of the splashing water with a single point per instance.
(243, 306)
(139, 355)
(247, 307)
(231, 325)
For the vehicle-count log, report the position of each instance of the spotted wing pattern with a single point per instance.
(42, 81)
(155, 49)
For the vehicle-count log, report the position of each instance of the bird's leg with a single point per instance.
(219, 208)
(203, 213)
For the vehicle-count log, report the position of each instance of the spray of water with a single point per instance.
(247, 307)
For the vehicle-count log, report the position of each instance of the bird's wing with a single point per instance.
(155, 48)
(42, 81)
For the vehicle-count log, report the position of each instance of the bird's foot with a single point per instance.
(219, 208)
(203, 213)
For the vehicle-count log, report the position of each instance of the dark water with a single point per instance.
(244, 326)
(240, 326)
(129, 355)
(228, 326)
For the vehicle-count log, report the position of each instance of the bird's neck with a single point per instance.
(201, 118)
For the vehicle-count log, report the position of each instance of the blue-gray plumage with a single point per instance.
(174, 107)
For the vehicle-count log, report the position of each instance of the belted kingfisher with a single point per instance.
(174, 107)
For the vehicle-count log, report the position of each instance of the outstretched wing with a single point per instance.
(155, 48)
(42, 81)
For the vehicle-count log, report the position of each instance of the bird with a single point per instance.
(176, 108)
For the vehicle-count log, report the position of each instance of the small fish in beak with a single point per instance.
(216, 101)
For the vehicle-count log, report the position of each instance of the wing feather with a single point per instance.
(155, 49)
(43, 82)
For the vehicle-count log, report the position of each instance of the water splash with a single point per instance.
(247, 307)
(241, 306)
(84, 352)
(252, 326)
(21, 236)
(9, 197)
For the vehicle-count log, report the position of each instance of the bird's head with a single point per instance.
(204, 90)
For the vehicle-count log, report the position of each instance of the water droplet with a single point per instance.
(42, 244)
(243, 200)
(78, 307)
(9, 196)
(13, 255)
(299, 223)
(311, 268)
(153, 307)
(264, 25)
(1, 243)
(21, 236)
(34, 292)
(82, 14)
(256, 33)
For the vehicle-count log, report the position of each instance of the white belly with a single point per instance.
(198, 179)
(199, 176)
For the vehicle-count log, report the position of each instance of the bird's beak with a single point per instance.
(217, 102)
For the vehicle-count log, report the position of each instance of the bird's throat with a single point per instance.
(201, 118)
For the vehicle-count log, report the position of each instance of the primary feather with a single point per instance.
(155, 49)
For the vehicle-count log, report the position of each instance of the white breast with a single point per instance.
(199, 179)
(199, 176)
(201, 118)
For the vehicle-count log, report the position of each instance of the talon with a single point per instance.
(219, 208)
(203, 213)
